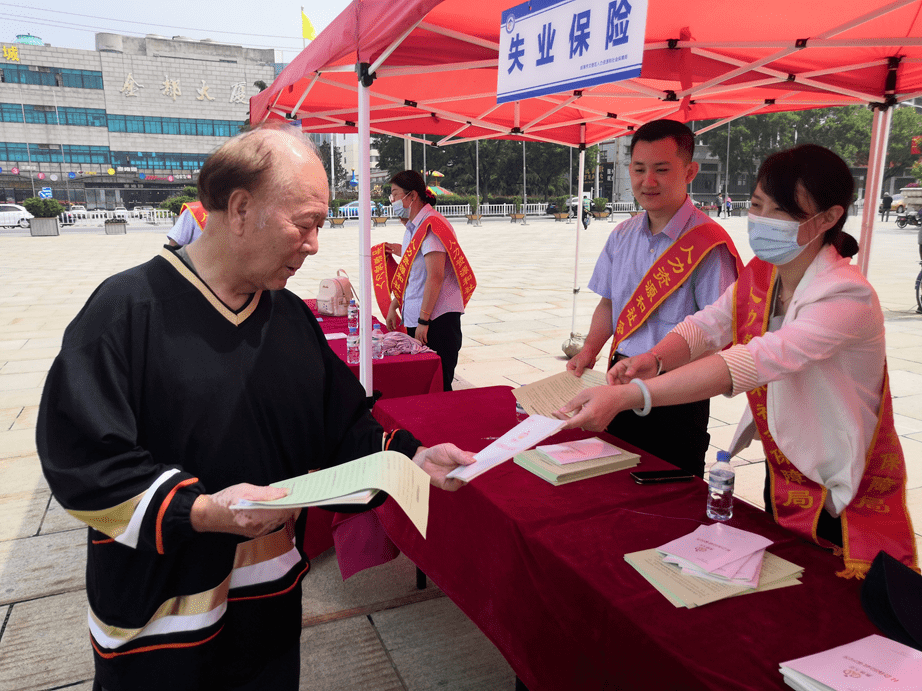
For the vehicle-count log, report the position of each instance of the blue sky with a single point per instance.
(262, 24)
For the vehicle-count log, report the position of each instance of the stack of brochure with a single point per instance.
(870, 664)
(719, 553)
(575, 460)
(712, 563)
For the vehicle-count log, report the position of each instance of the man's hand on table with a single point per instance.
(211, 513)
(440, 460)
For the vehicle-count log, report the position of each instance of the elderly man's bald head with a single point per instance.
(254, 161)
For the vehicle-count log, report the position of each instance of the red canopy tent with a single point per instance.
(430, 67)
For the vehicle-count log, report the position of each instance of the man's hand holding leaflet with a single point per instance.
(388, 471)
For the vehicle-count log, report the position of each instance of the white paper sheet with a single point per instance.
(531, 431)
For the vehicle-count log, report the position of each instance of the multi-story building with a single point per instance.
(127, 124)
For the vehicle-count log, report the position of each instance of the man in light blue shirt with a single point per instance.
(661, 168)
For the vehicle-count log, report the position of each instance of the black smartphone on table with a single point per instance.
(650, 477)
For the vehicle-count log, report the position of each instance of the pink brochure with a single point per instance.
(580, 450)
(870, 664)
(710, 547)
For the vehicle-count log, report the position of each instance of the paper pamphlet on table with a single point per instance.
(870, 664)
(539, 464)
(531, 431)
(718, 552)
(335, 335)
(547, 396)
(389, 471)
(579, 450)
(688, 591)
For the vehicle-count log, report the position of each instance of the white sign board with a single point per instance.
(551, 46)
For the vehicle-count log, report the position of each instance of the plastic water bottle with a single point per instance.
(352, 346)
(377, 343)
(720, 488)
(353, 315)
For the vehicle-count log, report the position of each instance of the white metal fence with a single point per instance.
(453, 209)
(622, 207)
(497, 209)
(534, 209)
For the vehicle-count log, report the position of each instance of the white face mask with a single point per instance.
(774, 240)
(399, 209)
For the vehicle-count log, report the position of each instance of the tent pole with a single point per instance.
(365, 230)
(579, 224)
(570, 183)
(407, 154)
(880, 135)
(477, 173)
(524, 189)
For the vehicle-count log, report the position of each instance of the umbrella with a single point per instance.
(436, 190)
(436, 174)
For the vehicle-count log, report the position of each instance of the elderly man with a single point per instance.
(184, 385)
(657, 268)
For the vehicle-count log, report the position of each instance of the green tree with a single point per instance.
(500, 166)
(342, 175)
(906, 124)
(43, 208)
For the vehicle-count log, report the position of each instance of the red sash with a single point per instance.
(198, 212)
(390, 277)
(877, 518)
(671, 269)
(383, 268)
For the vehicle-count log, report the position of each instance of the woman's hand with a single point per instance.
(422, 334)
(643, 366)
(595, 408)
(393, 320)
(392, 248)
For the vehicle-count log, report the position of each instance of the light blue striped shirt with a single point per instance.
(630, 252)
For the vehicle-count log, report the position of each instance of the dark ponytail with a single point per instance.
(411, 181)
(824, 176)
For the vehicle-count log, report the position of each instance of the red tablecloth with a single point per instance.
(540, 570)
(395, 375)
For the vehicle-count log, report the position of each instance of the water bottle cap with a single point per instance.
(352, 331)
(377, 327)
(723, 456)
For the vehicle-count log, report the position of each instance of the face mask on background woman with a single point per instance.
(400, 211)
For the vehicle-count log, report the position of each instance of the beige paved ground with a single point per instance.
(399, 638)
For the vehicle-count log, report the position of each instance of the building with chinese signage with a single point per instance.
(127, 124)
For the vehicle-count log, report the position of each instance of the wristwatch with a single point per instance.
(424, 322)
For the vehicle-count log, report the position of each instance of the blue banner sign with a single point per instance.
(553, 46)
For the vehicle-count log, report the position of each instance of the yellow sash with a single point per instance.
(877, 518)
(198, 212)
(389, 277)
(671, 269)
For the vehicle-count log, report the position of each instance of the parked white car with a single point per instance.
(142, 211)
(78, 210)
(120, 212)
(12, 215)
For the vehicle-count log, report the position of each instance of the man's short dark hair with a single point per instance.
(661, 129)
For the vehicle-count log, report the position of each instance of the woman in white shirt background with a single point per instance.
(432, 302)
(807, 335)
